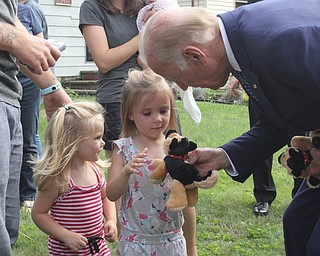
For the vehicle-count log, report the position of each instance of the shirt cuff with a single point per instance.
(231, 171)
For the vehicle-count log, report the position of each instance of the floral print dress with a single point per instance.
(147, 227)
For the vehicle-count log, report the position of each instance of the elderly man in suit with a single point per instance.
(272, 47)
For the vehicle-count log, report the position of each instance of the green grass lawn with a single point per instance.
(225, 223)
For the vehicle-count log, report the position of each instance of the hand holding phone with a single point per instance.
(58, 44)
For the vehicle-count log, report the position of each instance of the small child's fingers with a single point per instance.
(142, 154)
(136, 165)
(111, 237)
(138, 160)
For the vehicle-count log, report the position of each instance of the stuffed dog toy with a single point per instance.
(185, 177)
(297, 157)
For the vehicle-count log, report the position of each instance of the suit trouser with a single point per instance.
(301, 223)
(264, 188)
(10, 165)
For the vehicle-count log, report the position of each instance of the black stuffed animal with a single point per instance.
(297, 158)
(185, 177)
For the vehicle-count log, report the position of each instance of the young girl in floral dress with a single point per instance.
(147, 111)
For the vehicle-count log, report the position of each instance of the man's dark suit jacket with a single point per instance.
(277, 46)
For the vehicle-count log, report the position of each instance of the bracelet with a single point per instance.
(50, 89)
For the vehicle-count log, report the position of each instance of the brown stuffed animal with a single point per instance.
(185, 177)
(297, 158)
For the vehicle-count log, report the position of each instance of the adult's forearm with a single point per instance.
(115, 57)
(7, 36)
(249, 150)
(42, 81)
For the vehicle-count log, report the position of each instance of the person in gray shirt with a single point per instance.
(112, 37)
(35, 57)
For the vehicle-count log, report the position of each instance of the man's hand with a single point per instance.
(34, 52)
(37, 54)
(206, 159)
(55, 100)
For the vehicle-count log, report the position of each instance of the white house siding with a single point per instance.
(185, 2)
(219, 6)
(63, 25)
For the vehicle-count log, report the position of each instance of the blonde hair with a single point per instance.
(69, 126)
(140, 83)
(188, 26)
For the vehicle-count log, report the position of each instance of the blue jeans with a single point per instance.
(30, 106)
(112, 124)
(10, 166)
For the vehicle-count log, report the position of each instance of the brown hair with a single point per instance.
(131, 8)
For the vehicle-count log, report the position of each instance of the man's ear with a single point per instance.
(193, 53)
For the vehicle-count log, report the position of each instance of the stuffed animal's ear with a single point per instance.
(192, 146)
(302, 143)
(170, 132)
(173, 143)
(293, 152)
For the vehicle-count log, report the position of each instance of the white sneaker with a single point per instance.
(27, 205)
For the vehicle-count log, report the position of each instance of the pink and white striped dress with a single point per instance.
(80, 210)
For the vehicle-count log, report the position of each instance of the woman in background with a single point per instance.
(110, 31)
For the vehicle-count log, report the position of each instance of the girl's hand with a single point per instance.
(110, 230)
(136, 163)
(75, 241)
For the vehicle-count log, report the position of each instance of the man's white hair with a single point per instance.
(168, 31)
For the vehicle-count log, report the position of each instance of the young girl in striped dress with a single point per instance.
(71, 203)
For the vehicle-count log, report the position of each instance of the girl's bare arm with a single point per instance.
(40, 215)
